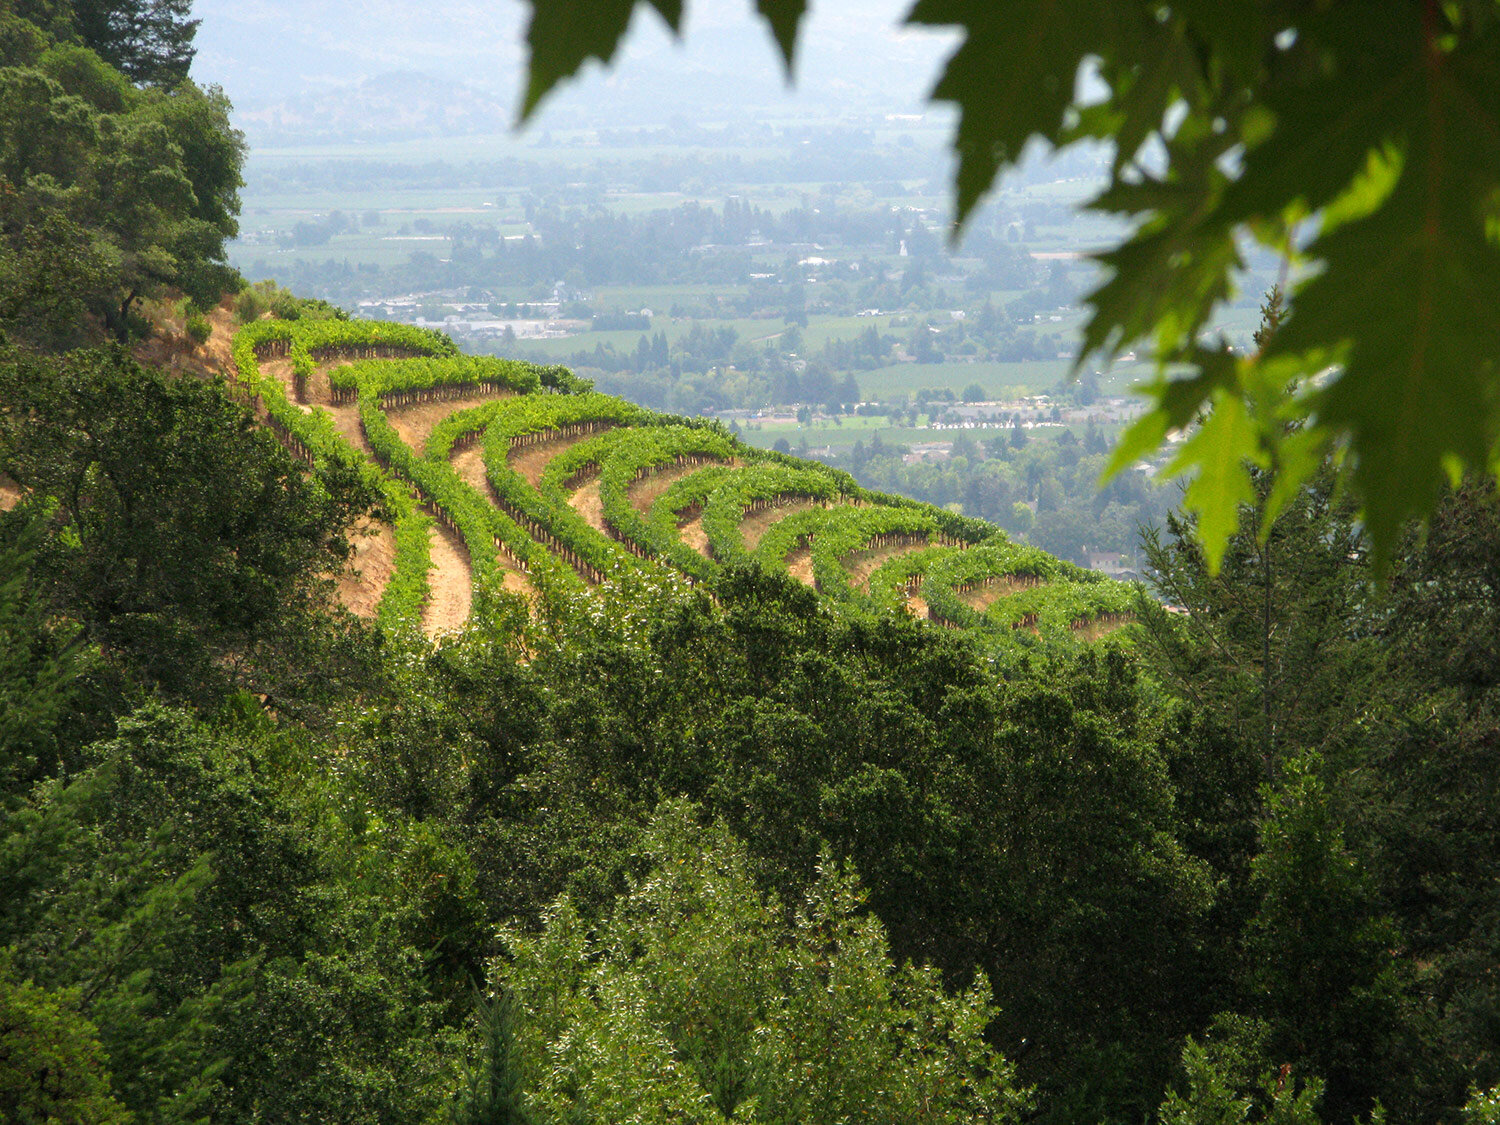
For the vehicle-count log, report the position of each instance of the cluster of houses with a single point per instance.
(475, 320)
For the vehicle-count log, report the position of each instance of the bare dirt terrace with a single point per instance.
(414, 424)
(585, 501)
(646, 491)
(363, 582)
(532, 461)
(754, 526)
(694, 536)
(799, 565)
(862, 564)
(981, 597)
(450, 583)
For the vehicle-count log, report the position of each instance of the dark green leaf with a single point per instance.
(1221, 451)
(1013, 78)
(564, 34)
(1414, 287)
(785, 17)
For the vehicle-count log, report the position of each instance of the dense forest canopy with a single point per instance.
(650, 850)
(115, 184)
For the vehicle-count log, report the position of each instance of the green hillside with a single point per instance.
(702, 819)
(552, 489)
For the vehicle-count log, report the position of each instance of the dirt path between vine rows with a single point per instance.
(319, 383)
(646, 491)
(1097, 630)
(351, 429)
(694, 536)
(281, 371)
(450, 583)
(320, 397)
(916, 605)
(516, 582)
(799, 565)
(468, 463)
(533, 460)
(414, 424)
(10, 493)
(753, 527)
(585, 501)
(980, 598)
(862, 564)
(362, 583)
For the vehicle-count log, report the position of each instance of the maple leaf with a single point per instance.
(1413, 288)
(1220, 454)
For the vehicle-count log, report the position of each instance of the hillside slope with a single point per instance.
(504, 477)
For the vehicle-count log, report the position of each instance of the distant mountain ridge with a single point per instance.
(397, 104)
(857, 60)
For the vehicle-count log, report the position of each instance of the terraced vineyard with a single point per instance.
(502, 476)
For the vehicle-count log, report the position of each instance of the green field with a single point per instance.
(838, 437)
(999, 380)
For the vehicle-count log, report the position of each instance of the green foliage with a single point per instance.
(39, 659)
(323, 337)
(407, 591)
(252, 302)
(52, 1068)
(110, 194)
(493, 1096)
(22, 41)
(438, 482)
(769, 482)
(697, 1000)
(835, 532)
(546, 508)
(198, 328)
(241, 949)
(1483, 1108)
(1321, 959)
(82, 73)
(1267, 646)
(248, 306)
(1023, 826)
(948, 569)
(150, 41)
(1056, 609)
(1040, 595)
(637, 452)
(398, 377)
(539, 527)
(1228, 1082)
(212, 154)
(1376, 851)
(276, 914)
(1420, 810)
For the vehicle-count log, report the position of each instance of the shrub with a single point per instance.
(250, 305)
(199, 329)
(285, 306)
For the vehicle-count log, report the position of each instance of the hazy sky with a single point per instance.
(854, 55)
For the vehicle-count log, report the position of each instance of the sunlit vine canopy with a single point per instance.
(1359, 139)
